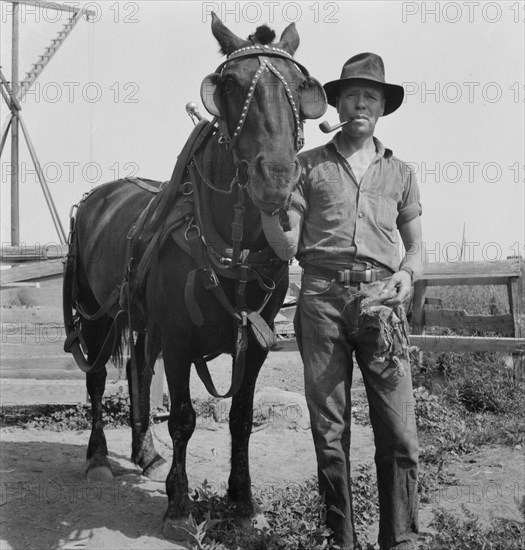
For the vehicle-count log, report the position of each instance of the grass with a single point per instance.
(295, 514)
(453, 533)
(475, 300)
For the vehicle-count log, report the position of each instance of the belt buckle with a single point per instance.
(344, 276)
(368, 275)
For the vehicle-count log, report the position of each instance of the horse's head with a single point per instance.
(261, 97)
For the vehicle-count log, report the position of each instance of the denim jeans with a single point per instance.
(331, 323)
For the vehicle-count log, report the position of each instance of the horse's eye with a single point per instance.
(228, 84)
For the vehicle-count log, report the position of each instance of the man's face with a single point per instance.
(362, 102)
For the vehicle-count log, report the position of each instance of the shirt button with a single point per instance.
(360, 214)
(358, 240)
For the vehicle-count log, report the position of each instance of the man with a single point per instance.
(345, 215)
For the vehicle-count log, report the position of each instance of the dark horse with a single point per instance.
(186, 267)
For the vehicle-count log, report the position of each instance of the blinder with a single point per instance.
(313, 99)
(210, 94)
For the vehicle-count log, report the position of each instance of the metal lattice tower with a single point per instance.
(13, 92)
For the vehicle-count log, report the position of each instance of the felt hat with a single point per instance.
(366, 66)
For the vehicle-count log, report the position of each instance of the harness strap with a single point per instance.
(112, 300)
(241, 344)
(237, 227)
(143, 184)
(181, 213)
(237, 377)
(261, 331)
(74, 339)
(193, 309)
(192, 238)
(135, 393)
(165, 199)
(192, 243)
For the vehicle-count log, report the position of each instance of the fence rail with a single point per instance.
(509, 273)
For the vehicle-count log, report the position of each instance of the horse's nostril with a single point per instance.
(277, 170)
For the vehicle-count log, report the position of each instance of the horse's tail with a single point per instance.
(76, 321)
(72, 324)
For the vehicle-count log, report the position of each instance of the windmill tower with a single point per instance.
(14, 91)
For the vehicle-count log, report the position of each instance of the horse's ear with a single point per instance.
(228, 41)
(211, 98)
(289, 40)
(313, 99)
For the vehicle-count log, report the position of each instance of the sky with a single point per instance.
(111, 103)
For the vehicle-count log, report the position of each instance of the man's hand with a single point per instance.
(397, 289)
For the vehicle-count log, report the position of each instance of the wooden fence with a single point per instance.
(510, 327)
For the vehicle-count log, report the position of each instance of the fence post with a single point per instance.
(418, 304)
(516, 292)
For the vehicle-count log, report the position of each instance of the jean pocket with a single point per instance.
(315, 286)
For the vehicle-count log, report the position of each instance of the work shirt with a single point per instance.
(346, 221)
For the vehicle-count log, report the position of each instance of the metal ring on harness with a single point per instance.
(187, 188)
(191, 226)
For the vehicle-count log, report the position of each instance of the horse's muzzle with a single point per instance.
(270, 183)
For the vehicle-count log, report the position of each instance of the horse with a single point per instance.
(185, 265)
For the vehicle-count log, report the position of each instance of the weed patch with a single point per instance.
(116, 413)
(454, 533)
(295, 514)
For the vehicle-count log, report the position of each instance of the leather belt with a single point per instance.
(356, 273)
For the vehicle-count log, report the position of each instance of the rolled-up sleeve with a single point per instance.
(410, 206)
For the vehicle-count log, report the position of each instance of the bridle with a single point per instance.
(264, 53)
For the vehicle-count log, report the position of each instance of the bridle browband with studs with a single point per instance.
(263, 53)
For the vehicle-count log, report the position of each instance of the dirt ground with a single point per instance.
(45, 502)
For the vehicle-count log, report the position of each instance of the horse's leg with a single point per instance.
(98, 468)
(143, 452)
(241, 419)
(181, 424)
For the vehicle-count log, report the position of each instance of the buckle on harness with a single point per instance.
(210, 279)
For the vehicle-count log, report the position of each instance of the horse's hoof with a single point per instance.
(157, 470)
(177, 529)
(99, 473)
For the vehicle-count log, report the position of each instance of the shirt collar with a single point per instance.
(381, 150)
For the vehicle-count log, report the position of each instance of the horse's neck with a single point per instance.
(219, 169)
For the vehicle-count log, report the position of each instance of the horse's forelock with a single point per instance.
(263, 35)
